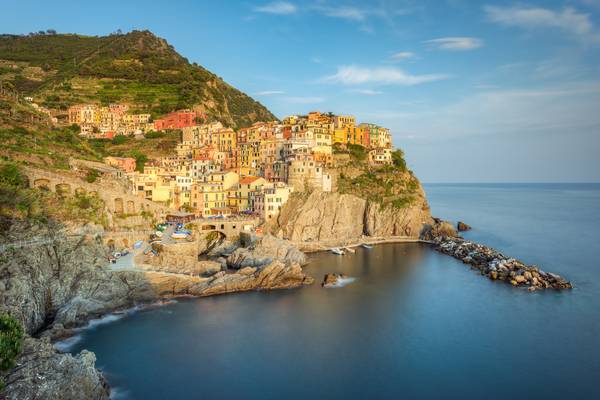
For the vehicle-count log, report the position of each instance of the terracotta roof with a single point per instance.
(248, 179)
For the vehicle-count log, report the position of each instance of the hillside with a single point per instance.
(138, 68)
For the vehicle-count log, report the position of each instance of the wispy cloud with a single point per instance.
(368, 92)
(456, 43)
(277, 7)
(344, 12)
(356, 75)
(567, 20)
(269, 93)
(305, 100)
(316, 60)
(403, 55)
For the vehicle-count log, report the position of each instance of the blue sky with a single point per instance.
(496, 91)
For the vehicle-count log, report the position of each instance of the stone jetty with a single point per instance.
(497, 266)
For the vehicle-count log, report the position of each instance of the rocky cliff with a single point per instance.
(335, 217)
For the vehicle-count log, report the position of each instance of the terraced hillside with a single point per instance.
(138, 68)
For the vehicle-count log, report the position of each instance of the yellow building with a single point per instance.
(249, 158)
(246, 186)
(343, 121)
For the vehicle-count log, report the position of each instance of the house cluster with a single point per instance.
(107, 122)
(216, 171)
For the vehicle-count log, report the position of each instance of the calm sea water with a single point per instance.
(413, 324)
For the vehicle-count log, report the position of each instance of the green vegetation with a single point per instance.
(92, 175)
(11, 342)
(356, 152)
(390, 185)
(47, 147)
(17, 201)
(137, 68)
(398, 160)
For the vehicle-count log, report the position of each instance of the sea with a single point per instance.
(409, 323)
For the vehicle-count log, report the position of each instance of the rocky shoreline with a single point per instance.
(53, 289)
(497, 266)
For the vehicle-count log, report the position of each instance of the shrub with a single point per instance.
(11, 342)
(10, 175)
(154, 135)
(398, 160)
(120, 139)
(92, 175)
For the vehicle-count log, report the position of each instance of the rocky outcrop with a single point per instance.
(180, 258)
(437, 229)
(462, 227)
(338, 218)
(274, 275)
(332, 280)
(263, 252)
(497, 266)
(42, 373)
(62, 281)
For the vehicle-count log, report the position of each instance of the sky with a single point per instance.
(490, 91)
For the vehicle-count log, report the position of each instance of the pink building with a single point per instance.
(179, 119)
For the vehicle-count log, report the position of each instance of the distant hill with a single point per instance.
(138, 68)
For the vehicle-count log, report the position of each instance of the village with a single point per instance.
(217, 172)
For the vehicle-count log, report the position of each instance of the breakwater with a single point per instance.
(498, 266)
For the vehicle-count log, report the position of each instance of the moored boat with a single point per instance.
(366, 246)
(337, 251)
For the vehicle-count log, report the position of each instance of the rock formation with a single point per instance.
(42, 373)
(335, 217)
(462, 227)
(332, 280)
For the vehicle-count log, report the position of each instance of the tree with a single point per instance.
(398, 159)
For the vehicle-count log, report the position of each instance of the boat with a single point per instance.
(366, 246)
(337, 251)
(179, 235)
(350, 250)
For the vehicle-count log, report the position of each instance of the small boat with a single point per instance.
(337, 251)
(350, 250)
(138, 244)
(366, 246)
(179, 235)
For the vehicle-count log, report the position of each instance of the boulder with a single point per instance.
(332, 280)
(462, 227)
